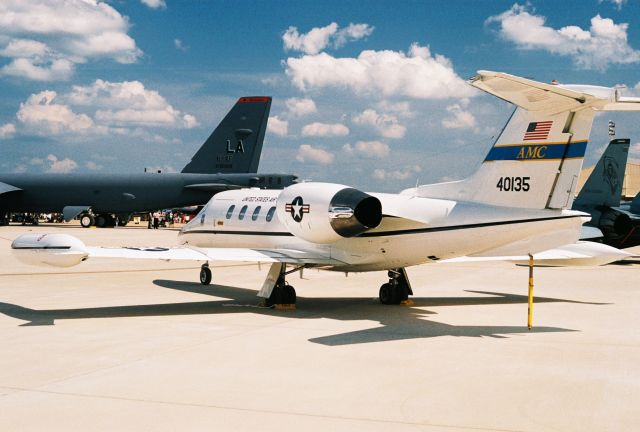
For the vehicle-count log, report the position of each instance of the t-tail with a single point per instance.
(604, 185)
(536, 160)
(236, 144)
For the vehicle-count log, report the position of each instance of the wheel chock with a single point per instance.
(285, 306)
(407, 303)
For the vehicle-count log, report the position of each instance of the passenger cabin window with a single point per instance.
(230, 211)
(270, 213)
(256, 213)
(243, 210)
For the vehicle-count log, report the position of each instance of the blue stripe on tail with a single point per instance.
(528, 152)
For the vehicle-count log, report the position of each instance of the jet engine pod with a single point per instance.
(615, 225)
(327, 212)
(58, 250)
(352, 212)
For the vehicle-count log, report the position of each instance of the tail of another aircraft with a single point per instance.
(236, 144)
(536, 159)
(604, 185)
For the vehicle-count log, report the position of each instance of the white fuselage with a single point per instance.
(446, 229)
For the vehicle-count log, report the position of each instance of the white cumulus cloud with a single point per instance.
(308, 153)
(416, 74)
(325, 129)
(603, 44)
(401, 174)
(93, 166)
(154, 4)
(319, 38)
(460, 119)
(299, 107)
(617, 3)
(56, 165)
(120, 108)
(129, 103)
(45, 40)
(386, 125)
(43, 114)
(278, 126)
(368, 149)
(7, 131)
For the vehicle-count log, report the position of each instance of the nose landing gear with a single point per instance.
(397, 290)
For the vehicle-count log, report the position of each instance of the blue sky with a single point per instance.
(370, 94)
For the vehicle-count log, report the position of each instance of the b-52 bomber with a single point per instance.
(517, 203)
(228, 159)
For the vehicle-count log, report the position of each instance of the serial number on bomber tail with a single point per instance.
(513, 184)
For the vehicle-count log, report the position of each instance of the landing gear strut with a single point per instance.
(398, 289)
(282, 294)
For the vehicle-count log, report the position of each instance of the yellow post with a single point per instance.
(530, 309)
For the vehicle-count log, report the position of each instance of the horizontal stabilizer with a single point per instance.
(589, 233)
(575, 254)
(5, 188)
(528, 94)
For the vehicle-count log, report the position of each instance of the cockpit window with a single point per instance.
(243, 210)
(230, 211)
(256, 213)
(270, 213)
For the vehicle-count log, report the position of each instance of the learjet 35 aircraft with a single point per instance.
(514, 205)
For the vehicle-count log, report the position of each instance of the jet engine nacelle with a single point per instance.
(327, 212)
(59, 250)
(615, 225)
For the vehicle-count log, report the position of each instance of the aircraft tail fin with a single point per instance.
(536, 159)
(604, 185)
(235, 145)
(635, 204)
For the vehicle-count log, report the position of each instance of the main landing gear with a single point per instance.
(397, 290)
(275, 291)
(283, 294)
(103, 220)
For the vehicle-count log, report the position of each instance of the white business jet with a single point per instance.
(514, 205)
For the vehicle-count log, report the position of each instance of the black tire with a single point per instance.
(289, 295)
(205, 275)
(386, 294)
(110, 221)
(402, 292)
(86, 220)
(101, 221)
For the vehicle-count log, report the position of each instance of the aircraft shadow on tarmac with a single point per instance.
(396, 322)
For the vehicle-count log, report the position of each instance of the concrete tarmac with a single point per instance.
(116, 345)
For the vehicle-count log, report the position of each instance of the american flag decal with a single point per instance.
(538, 130)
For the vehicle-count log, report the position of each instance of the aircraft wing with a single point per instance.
(64, 250)
(288, 256)
(582, 253)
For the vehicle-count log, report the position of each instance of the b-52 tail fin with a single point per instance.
(604, 185)
(236, 144)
